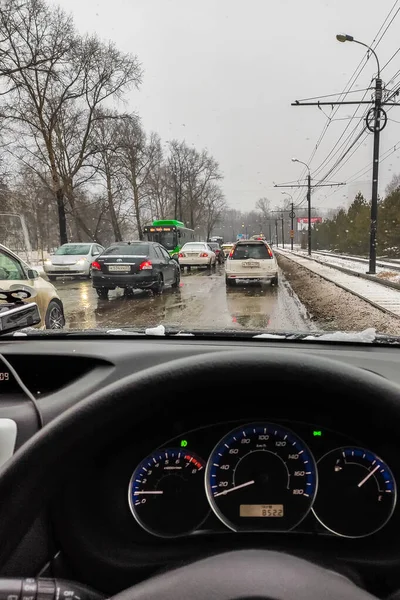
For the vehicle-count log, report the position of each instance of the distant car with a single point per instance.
(136, 264)
(218, 252)
(73, 259)
(15, 272)
(251, 259)
(197, 254)
(226, 248)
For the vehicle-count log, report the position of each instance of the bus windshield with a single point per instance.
(168, 239)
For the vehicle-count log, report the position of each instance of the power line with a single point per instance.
(349, 85)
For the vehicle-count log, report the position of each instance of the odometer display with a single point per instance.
(261, 465)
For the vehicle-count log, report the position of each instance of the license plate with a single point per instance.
(123, 268)
(250, 264)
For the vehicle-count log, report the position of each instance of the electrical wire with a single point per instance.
(350, 84)
(28, 393)
(390, 59)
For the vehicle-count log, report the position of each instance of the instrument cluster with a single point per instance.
(262, 477)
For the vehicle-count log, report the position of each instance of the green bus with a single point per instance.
(171, 234)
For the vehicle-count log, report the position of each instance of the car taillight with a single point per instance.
(269, 251)
(96, 266)
(146, 264)
(180, 255)
(231, 252)
(204, 255)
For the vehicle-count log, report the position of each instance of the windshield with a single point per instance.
(126, 250)
(73, 250)
(218, 120)
(168, 239)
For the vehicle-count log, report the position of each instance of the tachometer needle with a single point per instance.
(237, 487)
(149, 492)
(368, 476)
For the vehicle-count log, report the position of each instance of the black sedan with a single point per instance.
(130, 265)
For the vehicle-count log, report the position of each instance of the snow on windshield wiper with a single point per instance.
(368, 336)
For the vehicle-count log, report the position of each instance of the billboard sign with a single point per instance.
(302, 222)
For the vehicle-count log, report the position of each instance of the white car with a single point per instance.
(251, 259)
(17, 274)
(197, 254)
(74, 260)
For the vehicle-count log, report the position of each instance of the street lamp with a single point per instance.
(291, 215)
(308, 201)
(378, 114)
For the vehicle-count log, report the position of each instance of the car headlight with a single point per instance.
(81, 261)
(47, 261)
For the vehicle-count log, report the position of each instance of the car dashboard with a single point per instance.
(170, 490)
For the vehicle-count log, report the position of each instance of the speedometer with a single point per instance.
(261, 477)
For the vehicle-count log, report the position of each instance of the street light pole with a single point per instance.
(308, 201)
(283, 234)
(291, 219)
(377, 115)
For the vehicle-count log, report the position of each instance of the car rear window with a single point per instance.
(194, 247)
(128, 250)
(243, 251)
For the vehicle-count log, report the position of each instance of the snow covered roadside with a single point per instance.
(333, 308)
(384, 273)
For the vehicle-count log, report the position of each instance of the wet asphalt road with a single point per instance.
(201, 302)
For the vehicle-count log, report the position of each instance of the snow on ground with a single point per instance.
(358, 267)
(332, 307)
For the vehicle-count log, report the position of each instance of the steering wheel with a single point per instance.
(29, 478)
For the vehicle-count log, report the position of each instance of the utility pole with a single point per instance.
(276, 232)
(375, 121)
(283, 234)
(308, 186)
(291, 226)
(291, 215)
(309, 211)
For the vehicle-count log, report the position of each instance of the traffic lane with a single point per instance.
(201, 302)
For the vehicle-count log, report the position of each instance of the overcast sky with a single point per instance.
(221, 74)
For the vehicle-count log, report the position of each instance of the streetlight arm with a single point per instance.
(302, 163)
(372, 52)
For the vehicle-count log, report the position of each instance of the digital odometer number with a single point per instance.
(258, 466)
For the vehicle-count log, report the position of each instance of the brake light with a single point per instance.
(204, 255)
(180, 255)
(231, 252)
(96, 266)
(269, 251)
(145, 265)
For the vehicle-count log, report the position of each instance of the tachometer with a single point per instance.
(261, 477)
(166, 492)
(356, 492)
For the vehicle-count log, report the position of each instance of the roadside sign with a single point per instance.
(292, 214)
(292, 233)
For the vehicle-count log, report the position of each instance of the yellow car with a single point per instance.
(14, 271)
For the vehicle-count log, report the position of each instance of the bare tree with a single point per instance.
(214, 206)
(140, 157)
(200, 170)
(177, 175)
(65, 71)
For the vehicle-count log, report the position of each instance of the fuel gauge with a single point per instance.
(356, 492)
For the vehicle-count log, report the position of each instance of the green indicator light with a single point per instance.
(183, 443)
(317, 433)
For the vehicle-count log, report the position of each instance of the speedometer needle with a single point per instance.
(237, 487)
(148, 492)
(368, 476)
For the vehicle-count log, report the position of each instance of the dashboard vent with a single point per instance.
(45, 375)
